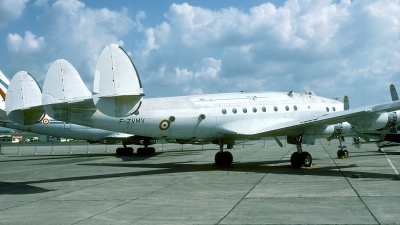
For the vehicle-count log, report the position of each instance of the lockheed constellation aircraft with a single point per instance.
(117, 103)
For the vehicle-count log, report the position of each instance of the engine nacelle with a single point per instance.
(308, 137)
(385, 121)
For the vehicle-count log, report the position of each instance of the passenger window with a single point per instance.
(223, 111)
(275, 108)
(244, 110)
(254, 109)
(234, 110)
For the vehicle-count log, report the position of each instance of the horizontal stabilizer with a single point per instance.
(393, 93)
(117, 89)
(61, 86)
(24, 99)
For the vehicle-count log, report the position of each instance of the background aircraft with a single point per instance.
(49, 126)
(117, 104)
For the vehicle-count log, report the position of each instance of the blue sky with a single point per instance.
(333, 48)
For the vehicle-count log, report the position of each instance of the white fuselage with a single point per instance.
(201, 117)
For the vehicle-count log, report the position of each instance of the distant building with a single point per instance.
(48, 138)
(16, 139)
(5, 138)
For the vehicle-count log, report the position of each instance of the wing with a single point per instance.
(285, 126)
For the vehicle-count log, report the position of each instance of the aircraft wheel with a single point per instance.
(119, 151)
(151, 151)
(228, 157)
(305, 159)
(294, 160)
(218, 158)
(229, 146)
(345, 154)
(146, 151)
(339, 154)
(223, 158)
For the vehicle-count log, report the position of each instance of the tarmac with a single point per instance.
(180, 184)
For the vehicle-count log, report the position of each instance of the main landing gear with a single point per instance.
(342, 153)
(300, 158)
(223, 158)
(124, 151)
(128, 151)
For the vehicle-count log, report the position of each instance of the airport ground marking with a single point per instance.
(390, 162)
(348, 181)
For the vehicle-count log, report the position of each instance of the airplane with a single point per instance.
(382, 137)
(49, 126)
(117, 103)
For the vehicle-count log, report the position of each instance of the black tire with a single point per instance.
(229, 146)
(305, 159)
(228, 158)
(151, 151)
(339, 154)
(119, 151)
(218, 158)
(294, 160)
(146, 151)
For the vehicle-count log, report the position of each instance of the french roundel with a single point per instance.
(45, 121)
(164, 125)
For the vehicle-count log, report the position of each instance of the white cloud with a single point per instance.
(329, 48)
(25, 44)
(11, 10)
(74, 32)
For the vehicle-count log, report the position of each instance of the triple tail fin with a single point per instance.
(24, 100)
(62, 86)
(117, 89)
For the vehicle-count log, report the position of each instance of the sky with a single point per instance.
(332, 48)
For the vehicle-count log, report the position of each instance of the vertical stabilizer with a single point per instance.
(393, 93)
(117, 89)
(346, 104)
(63, 84)
(24, 101)
(4, 82)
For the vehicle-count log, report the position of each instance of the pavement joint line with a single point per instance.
(348, 181)
(251, 189)
(43, 199)
(47, 167)
(390, 162)
(134, 199)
